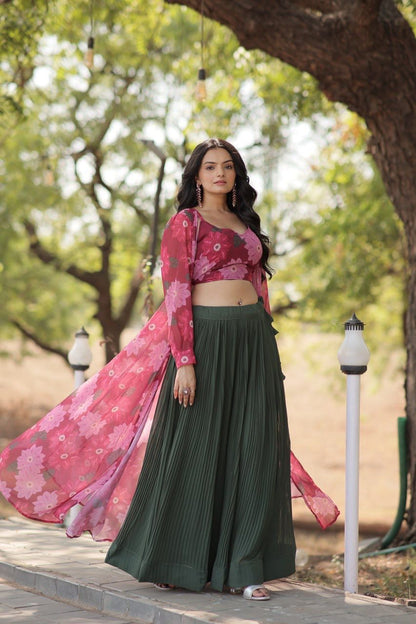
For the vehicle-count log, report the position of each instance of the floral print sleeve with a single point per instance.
(260, 284)
(176, 255)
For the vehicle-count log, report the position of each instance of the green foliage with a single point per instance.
(21, 25)
(347, 251)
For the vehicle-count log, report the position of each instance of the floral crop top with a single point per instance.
(195, 252)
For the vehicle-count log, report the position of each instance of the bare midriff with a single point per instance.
(224, 293)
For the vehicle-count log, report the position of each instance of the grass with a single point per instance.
(390, 577)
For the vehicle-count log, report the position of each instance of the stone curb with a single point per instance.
(94, 598)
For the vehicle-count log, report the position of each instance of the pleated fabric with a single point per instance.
(213, 501)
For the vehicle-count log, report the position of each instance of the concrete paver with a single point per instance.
(73, 575)
(21, 607)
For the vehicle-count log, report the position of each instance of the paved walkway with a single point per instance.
(19, 606)
(42, 560)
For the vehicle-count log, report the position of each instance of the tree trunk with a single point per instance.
(363, 54)
(410, 384)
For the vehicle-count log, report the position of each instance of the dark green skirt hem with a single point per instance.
(195, 579)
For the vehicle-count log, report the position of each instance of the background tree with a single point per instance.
(346, 248)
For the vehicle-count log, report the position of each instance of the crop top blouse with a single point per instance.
(221, 254)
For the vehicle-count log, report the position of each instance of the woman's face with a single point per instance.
(217, 172)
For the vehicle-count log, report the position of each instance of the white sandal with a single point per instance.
(164, 586)
(250, 589)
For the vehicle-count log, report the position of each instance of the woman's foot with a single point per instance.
(164, 586)
(234, 591)
(251, 592)
(256, 592)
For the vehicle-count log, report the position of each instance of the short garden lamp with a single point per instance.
(80, 356)
(353, 356)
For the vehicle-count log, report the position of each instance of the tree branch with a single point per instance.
(319, 6)
(127, 309)
(155, 228)
(345, 50)
(365, 11)
(27, 333)
(283, 307)
(36, 247)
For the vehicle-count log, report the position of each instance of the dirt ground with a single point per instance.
(315, 393)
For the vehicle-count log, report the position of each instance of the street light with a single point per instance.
(80, 356)
(353, 356)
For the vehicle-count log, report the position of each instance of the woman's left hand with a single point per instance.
(185, 385)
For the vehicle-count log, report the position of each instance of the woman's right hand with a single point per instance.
(185, 385)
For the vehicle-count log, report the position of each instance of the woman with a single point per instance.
(213, 501)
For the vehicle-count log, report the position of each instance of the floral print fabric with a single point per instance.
(89, 449)
(225, 254)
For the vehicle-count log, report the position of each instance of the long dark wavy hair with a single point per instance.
(246, 194)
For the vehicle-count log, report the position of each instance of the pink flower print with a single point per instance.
(176, 297)
(90, 424)
(134, 347)
(220, 241)
(202, 265)
(45, 502)
(4, 489)
(53, 419)
(116, 436)
(31, 460)
(158, 353)
(254, 249)
(29, 483)
(96, 516)
(234, 272)
(82, 401)
(120, 517)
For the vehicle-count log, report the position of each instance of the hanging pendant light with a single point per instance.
(201, 88)
(49, 178)
(89, 54)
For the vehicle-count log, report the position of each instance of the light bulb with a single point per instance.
(49, 178)
(89, 54)
(201, 88)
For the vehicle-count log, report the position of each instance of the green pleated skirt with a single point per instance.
(213, 501)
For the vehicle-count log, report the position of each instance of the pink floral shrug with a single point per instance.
(220, 254)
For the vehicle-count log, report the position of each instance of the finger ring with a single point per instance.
(186, 391)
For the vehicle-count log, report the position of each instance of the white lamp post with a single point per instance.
(80, 356)
(353, 356)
